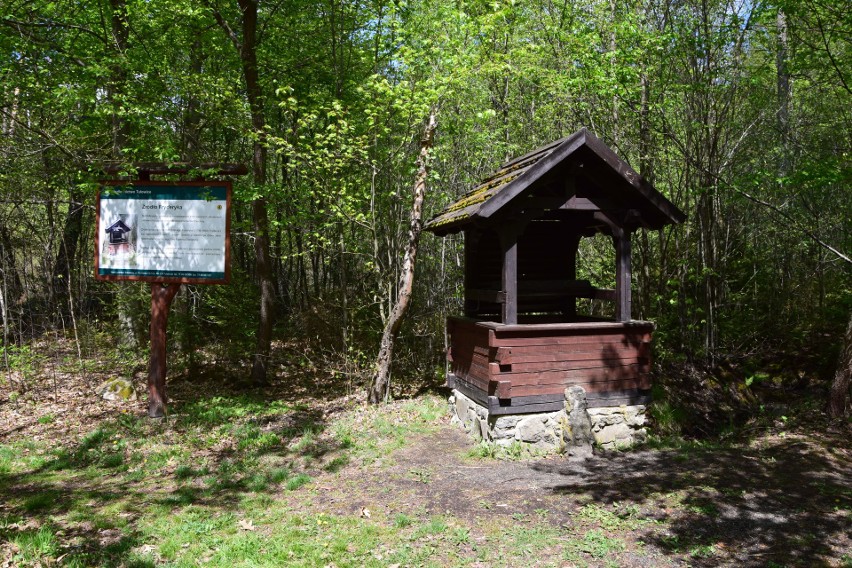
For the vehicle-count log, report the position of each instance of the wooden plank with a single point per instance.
(565, 286)
(569, 340)
(536, 354)
(566, 359)
(500, 389)
(495, 409)
(579, 332)
(484, 295)
(471, 390)
(623, 301)
(583, 345)
(473, 373)
(572, 365)
(572, 327)
(604, 294)
(576, 375)
(480, 382)
(472, 335)
(503, 355)
(534, 399)
(464, 349)
(509, 284)
(640, 382)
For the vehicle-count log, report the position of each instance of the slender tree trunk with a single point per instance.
(118, 75)
(246, 46)
(259, 207)
(784, 93)
(192, 116)
(67, 253)
(839, 396)
(380, 385)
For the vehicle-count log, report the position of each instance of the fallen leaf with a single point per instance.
(246, 525)
(365, 512)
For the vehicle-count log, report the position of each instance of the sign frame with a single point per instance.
(165, 279)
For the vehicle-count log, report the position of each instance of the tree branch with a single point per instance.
(226, 27)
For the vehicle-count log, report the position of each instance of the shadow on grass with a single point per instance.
(82, 503)
(786, 505)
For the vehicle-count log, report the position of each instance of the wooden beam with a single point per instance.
(161, 301)
(509, 284)
(484, 295)
(566, 147)
(470, 240)
(623, 301)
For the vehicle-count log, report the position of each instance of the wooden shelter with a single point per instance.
(521, 341)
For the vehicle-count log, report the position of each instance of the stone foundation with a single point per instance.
(618, 427)
(572, 429)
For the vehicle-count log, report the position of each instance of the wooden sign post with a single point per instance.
(168, 234)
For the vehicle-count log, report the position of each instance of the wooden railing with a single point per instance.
(542, 292)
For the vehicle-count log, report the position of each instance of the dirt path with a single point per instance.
(780, 502)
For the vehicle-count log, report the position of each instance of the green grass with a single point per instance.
(515, 451)
(184, 489)
(237, 481)
(35, 546)
(599, 545)
(614, 517)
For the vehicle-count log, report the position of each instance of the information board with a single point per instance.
(164, 232)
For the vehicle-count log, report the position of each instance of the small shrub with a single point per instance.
(40, 501)
(599, 545)
(402, 520)
(298, 481)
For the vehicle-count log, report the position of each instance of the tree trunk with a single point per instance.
(247, 49)
(118, 75)
(839, 395)
(260, 216)
(380, 385)
(67, 254)
(784, 93)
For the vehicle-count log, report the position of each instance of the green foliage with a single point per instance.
(598, 545)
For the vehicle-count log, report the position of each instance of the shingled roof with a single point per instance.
(611, 177)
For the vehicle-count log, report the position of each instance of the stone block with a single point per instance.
(531, 429)
(617, 433)
(577, 427)
(462, 407)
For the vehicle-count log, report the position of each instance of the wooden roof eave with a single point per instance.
(672, 214)
(657, 210)
(533, 174)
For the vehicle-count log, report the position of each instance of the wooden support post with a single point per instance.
(623, 302)
(161, 301)
(569, 311)
(509, 242)
(471, 241)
